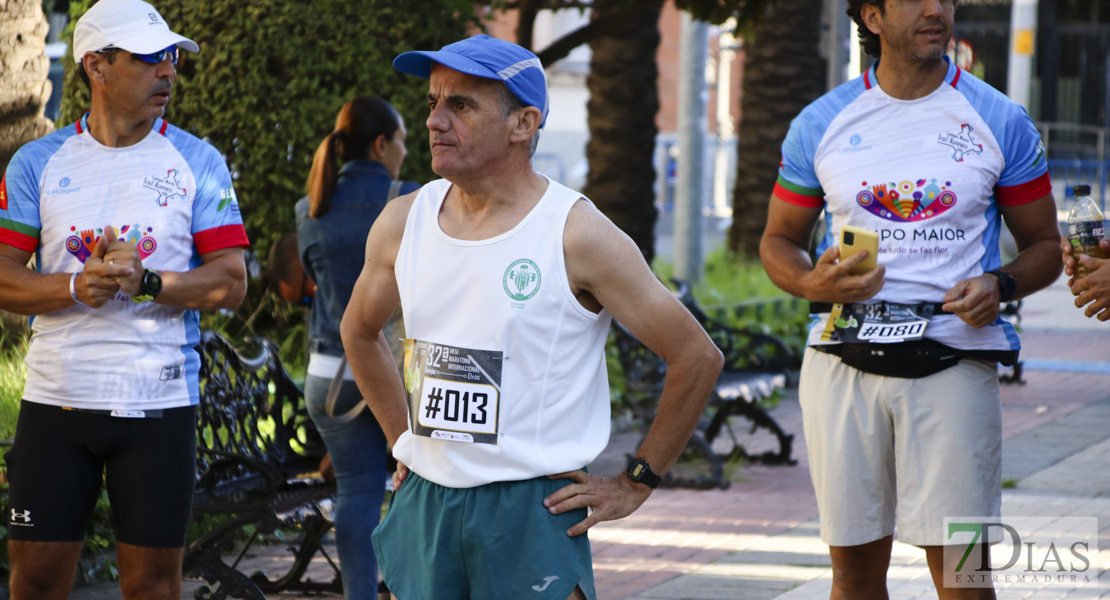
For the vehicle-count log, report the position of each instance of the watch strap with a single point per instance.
(145, 294)
(1007, 287)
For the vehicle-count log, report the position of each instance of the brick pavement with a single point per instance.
(758, 539)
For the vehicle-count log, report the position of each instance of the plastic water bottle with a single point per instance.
(1085, 228)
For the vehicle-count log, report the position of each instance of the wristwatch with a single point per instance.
(640, 472)
(1007, 287)
(150, 287)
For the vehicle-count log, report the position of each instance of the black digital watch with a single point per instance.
(1007, 287)
(640, 472)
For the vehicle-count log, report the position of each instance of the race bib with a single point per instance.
(454, 393)
(882, 323)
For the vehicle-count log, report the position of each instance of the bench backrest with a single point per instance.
(250, 408)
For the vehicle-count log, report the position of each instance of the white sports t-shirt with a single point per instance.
(507, 377)
(929, 175)
(170, 195)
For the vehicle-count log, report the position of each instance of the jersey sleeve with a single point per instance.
(19, 204)
(1024, 177)
(217, 223)
(797, 182)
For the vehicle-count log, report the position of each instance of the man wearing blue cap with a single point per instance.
(508, 283)
(134, 226)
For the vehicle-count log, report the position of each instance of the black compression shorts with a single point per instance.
(60, 457)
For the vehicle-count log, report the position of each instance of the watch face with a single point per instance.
(152, 283)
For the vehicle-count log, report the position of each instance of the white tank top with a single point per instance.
(505, 369)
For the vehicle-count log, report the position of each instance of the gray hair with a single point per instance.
(508, 102)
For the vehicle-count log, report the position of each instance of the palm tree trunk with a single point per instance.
(24, 87)
(24, 91)
(783, 72)
(624, 99)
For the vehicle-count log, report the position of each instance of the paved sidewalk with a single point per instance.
(1055, 428)
(759, 539)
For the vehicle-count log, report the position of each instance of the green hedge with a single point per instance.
(271, 76)
(265, 88)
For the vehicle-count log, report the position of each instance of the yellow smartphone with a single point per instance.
(854, 239)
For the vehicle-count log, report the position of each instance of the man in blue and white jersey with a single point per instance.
(134, 227)
(899, 387)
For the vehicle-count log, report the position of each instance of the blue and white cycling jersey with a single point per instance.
(171, 195)
(929, 175)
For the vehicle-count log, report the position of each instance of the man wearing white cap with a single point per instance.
(135, 227)
(508, 282)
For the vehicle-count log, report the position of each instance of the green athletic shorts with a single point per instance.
(492, 542)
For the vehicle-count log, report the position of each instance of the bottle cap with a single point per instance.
(1081, 190)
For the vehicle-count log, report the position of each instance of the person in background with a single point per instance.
(333, 221)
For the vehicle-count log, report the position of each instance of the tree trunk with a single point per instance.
(24, 91)
(624, 98)
(783, 72)
(24, 87)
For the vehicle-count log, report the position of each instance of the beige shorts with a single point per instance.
(925, 448)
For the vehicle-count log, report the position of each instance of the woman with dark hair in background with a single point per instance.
(332, 224)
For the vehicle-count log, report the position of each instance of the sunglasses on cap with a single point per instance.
(152, 58)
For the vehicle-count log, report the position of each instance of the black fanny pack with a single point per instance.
(908, 360)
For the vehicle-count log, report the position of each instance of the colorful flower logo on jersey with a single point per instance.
(907, 201)
(167, 187)
(961, 143)
(81, 244)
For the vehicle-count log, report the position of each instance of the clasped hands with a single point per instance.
(113, 266)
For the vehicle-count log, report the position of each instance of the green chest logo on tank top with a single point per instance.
(522, 280)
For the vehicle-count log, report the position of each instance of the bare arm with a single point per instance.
(374, 297)
(1038, 263)
(623, 284)
(219, 282)
(28, 292)
(784, 250)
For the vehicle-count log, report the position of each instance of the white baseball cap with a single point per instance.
(132, 25)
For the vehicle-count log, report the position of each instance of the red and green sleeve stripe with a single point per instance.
(799, 195)
(218, 238)
(18, 235)
(1013, 195)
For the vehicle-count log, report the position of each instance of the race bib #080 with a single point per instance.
(876, 323)
(454, 393)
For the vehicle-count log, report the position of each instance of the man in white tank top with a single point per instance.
(508, 282)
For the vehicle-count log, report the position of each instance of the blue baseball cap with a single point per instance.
(488, 57)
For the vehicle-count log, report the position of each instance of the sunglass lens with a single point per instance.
(159, 56)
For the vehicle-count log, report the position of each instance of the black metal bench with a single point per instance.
(1011, 311)
(258, 455)
(756, 366)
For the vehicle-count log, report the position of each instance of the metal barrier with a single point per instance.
(1067, 173)
(1077, 154)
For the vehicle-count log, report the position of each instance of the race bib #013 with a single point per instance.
(454, 393)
